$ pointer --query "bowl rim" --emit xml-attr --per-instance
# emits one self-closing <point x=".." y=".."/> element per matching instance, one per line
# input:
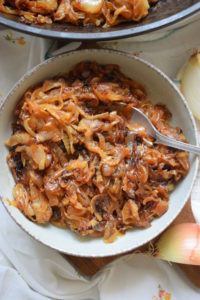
<point x="106" y="35"/>
<point x="166" y="78"/>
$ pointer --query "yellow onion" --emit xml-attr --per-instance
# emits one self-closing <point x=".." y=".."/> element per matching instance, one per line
<point x="190" y="83"/>
<point x="180" y="244"/>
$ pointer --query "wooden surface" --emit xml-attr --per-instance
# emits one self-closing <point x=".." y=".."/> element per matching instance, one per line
<point x="90" y="266"/>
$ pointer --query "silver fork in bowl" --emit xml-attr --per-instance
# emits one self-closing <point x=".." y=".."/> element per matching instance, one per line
<point x="140" y="118"/>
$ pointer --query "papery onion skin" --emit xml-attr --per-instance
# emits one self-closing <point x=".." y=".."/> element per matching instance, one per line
<point x="190" y="84"/>
<point x="180" y="244"/>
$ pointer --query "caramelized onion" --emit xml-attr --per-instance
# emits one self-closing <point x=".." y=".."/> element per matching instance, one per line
<point x="18" y="138"/>
<point x="106" y="170"/>
<point x="98" y="12"/>
<point x="130" y="213"/>
<point x="89" y="6"/>
<point x="39" y="156"/>
<point x="84" y="166"/>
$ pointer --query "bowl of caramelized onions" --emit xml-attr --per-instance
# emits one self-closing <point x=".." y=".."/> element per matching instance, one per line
<point x="72" y="178"/>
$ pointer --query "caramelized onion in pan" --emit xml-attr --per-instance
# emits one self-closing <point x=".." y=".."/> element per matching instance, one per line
<point x="98" y="12"/>
<point x="71" y="160"/>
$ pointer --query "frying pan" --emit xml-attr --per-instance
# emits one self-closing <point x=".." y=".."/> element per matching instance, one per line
<point x="165" y="13"/>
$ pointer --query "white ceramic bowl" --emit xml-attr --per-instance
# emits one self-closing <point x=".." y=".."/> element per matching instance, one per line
<point x="159" y="89"/>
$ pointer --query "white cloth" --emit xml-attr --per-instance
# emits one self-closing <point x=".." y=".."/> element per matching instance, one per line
<point x="30" y="270"/>
<point x="43" y="269"/>
<point x="139" y="277"/>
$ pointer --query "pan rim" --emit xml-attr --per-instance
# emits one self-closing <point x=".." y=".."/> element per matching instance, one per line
<point x="106" y="35"/>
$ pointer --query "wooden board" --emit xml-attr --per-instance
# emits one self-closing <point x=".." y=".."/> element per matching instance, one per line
<point x="90" y="266"/>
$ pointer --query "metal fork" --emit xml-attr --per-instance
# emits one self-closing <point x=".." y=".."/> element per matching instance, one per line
<point x="140" y="118"/>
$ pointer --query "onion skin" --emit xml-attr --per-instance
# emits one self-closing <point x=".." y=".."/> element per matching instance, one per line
<point x="180" y="244"/>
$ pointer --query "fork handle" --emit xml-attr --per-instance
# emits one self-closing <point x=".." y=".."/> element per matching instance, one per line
<point x="165" y="140"/>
